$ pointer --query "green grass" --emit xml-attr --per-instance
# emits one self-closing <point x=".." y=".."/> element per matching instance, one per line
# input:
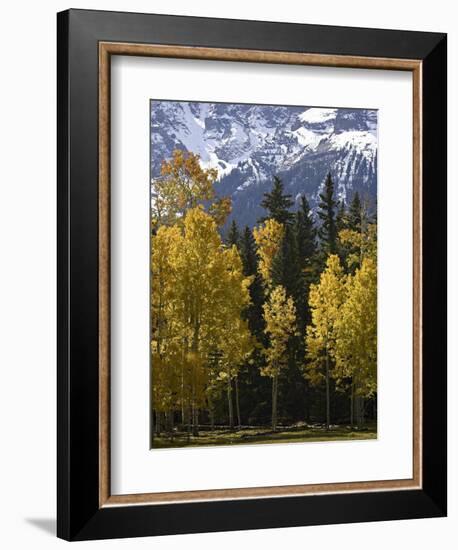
<point x="257" y="435"/>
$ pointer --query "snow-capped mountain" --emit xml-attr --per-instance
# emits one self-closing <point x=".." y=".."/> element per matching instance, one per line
<point x="249" y="144"/>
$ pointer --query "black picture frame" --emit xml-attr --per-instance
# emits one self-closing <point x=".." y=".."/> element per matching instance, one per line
<point x="79" y="515"/>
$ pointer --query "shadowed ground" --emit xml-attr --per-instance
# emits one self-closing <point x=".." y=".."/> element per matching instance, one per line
<point x="254" y="435"/>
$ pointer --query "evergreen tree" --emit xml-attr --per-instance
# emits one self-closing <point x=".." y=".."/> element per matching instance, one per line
<point x="305" y="235"/>
<point x="299" y="390"/>
<point x="355" y="213"/>
<point x="248" y="252"/>
<point x="306" y="248"/>
<point x="254" y="311"/>
<point x="233" y="236"/>
<point x="351" y="236"/>
<point x="341" y="217"/>
<point x="286" y="270"/>
<point x="341" y="225"/>
<point x="327" y="214"/>
<point x="277" y="204"/>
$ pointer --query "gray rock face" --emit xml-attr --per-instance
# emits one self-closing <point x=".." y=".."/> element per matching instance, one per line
<point x="249" y="144"/>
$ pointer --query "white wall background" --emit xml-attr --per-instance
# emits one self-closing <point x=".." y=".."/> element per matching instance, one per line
<point x="27" y="272"/>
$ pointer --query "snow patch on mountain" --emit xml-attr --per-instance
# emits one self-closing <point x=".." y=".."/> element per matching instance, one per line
<point x="315" y="114"/>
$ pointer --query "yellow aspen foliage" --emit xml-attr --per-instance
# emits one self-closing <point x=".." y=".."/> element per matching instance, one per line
<point x="325" y="301"/>
<point x="235" y="348"/>
<point x="182" y="185"/>
<point x="198" y="295"/>
<point x="280" y="319"/>
<point x="268" y="238"/>
<point x="220" y="209"/>
<point x="359" y="244"/>
<point x="164" y="344"/>
<point x="356" y="331"/>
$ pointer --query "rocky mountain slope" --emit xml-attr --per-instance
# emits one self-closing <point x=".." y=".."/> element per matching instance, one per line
<point x="249" y="144"/>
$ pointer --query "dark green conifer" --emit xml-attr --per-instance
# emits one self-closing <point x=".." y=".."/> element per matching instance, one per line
<point x="355" y="213"/>
<point x="278" y="204"/>
<point x="341" y="217"/>
<point x="233" y="236"/>
<point x="254" y="312"/>
<point x="327" y="215"/>
<point x="305" y="234"/>
<point x="286" y="270"/>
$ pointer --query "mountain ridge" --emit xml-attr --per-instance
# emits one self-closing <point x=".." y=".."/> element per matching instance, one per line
<point x="250" y="144"/>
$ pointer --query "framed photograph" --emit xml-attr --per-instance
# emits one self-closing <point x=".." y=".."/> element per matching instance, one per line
<point x="251" y="275"/>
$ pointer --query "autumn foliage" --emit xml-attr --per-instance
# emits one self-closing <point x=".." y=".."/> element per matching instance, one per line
<point x="274" y="305"/>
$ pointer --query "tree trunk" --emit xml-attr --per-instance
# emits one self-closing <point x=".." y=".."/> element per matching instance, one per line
<point x="274" y="402"/>
<point x="307" y="403"/>
<point x="188" y="423"/>
<point x="158" y="423"/>
<point x="195" y="421"/>
<point x="229" y="403"/>
<point x="352" y="390"/>
<point x="183" y="414"/>
<point x="328" y="406"/>
<point x="359" y="406"/>
<point x="211" y="413"/>
<point x="172" y="423"/>
<point x="237" y="403"/>
<point x="169" y="423"/>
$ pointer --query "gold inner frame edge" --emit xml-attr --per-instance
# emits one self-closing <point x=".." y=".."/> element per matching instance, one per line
<point x="106" y="50"/>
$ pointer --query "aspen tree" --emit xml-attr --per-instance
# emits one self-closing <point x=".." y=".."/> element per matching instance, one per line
<point x="325" y="301"/>
<point x="280" y="318"/>
<point x="268" y="238"/>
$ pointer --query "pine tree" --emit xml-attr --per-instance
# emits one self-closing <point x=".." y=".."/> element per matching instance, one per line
<point x="327" y="214"/>
<point x="253" y="312"/>
<point x="341" y="217"/>
<point x="248" y="252"/>
<point x="305" y="234"/>
<point x="233" y="236"/>
<point x="277" y="204"/>
<point x="355" y="213"/>
<point x="285" y="265"/>
<point x="306" y="247"/>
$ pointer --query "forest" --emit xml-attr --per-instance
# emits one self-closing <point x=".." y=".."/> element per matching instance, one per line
<point x="261" y="335"/>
